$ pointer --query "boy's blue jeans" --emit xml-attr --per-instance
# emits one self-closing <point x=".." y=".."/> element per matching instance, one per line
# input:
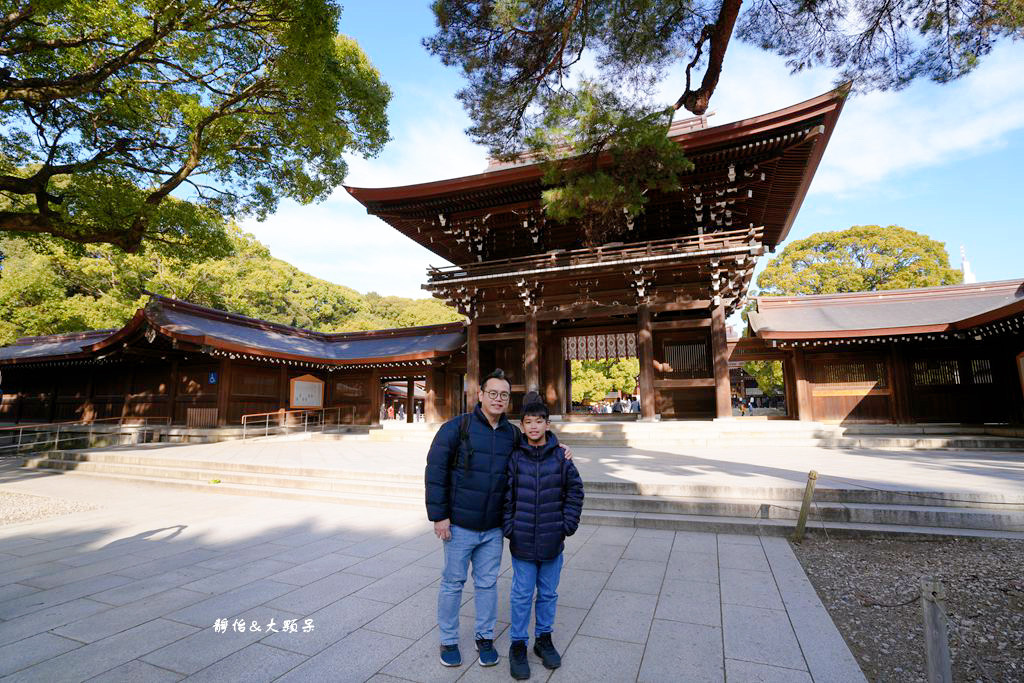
<point x="528" y="576"/>
<point x="483" y="548"/>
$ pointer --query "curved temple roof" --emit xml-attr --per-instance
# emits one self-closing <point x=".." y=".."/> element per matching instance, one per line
<point x="232" y="333"/>
<point x="888" y="312"/>
<point x="768" y="161"/>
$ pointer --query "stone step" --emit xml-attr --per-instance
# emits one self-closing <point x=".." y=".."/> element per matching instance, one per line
<point x="782" y="495"/>
<point x="290" y="493"/>
<point x="907" y="515"/>
<point x="128" y="458"/>
<point x="400" y="499"/>
<point x="368" y="487"/>
<point x="780" y="527"/>
<point x="363" y="488"/>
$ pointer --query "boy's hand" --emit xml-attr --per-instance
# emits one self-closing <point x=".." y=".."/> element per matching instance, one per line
<point x="568" y="451"/>
<point x="443" y="529"/>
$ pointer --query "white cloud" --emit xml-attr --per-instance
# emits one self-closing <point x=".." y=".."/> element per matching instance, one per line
<point x="884" y="134"/>
<point x="880" y="134"/>
<point x="339" y="242"/>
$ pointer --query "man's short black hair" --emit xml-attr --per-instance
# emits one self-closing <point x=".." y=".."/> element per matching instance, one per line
<point x="497" y="373"/>
<point x="536" y="409"/>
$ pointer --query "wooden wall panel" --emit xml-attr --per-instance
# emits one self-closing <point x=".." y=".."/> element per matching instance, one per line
<point x="850" y="387"/>
<point x="686" y="404"/>
<point x="967" y="385"/>
<point x="683" y="355"/>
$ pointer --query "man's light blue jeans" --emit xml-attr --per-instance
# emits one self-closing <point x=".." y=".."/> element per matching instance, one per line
<point x="527" y="577"/>
<point x="483" y="549"/>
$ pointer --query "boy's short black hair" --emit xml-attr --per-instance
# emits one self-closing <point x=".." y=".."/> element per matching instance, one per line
<point x="536" y="409"/>
<point x="496" y="373"/>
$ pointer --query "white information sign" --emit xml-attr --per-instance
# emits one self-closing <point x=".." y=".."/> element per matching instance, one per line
<point x="307" y="392"/>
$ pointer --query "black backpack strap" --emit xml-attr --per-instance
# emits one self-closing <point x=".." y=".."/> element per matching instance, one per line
<point x="464" y="438"/>
<point x="564" y="472"/>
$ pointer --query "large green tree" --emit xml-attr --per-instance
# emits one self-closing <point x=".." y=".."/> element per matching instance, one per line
<point x="49" y="285"/>
<point x="150" y="121"/>
<point x="522" y="59"/>
<point x="859" y="259"/>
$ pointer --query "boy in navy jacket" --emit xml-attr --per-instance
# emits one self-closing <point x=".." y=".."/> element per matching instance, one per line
<point x="543" y="503"/>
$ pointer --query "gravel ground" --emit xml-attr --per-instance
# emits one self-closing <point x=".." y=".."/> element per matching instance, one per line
<point x="20" y="507"/>
<point x="984" y="582"/>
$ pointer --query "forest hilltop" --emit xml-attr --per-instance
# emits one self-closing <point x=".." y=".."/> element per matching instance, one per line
<point x="48" y="285"/>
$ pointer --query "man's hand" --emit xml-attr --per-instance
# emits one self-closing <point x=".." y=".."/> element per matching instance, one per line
<point x="568" y="451"/>
<point x="443" y="529"/>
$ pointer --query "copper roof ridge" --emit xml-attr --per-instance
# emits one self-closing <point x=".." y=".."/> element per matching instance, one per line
<point x="63" y="336"/>
<point x="874" y="295"/>
<point x="438" y="328"/>
<point x="327" y="337"/>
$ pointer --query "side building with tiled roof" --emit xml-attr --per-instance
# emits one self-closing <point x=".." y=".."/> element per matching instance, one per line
<point x="179" y="361"/>
<point x="952" y="354"/>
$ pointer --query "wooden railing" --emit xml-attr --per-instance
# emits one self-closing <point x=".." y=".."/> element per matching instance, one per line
<point x="717" y="241"/>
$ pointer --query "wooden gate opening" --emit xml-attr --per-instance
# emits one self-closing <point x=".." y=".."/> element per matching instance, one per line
<point x="403" y="399"/>
<point x="602" y="374"/>
<point x="759" y="389"/>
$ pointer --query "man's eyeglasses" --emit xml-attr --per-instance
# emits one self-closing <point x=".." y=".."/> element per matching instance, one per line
<point x="495" y="395"/>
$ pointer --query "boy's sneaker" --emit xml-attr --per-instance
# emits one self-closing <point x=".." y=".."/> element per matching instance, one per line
<point x="450" y="655"/>
<point x="488" y="655"/>
<point x="545" y="649"/>
<point x="518" y="665"/>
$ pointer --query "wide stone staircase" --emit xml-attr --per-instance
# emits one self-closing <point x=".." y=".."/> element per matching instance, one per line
<point x="770" y="510"/>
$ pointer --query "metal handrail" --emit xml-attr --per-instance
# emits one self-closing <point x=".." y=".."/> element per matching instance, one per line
<point x="318" y="422"/>
<point x="119" y="420"/>
<point x="47" y="429"/>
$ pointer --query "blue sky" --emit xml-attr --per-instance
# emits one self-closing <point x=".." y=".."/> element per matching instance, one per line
<point x="942" y="160"/>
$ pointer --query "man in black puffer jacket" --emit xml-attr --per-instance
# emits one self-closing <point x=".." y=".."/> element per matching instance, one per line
<point x="465" y="488"/>
<point x="542" y="507"/>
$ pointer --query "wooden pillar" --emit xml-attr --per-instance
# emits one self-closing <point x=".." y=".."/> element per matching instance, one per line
<point x="172" y="392"/>
<point x="804" y="410"/>
<point x="565" y="384"/>
<point x="531" y="364"/>
<point x="375" y="397"/>
<point x="88" y="405"/>
<point x="472" y="364"/>
<point x="410" y="399"/>
<point x="223" y="391"/>
<point x="551" y="353"/>
<point x="19" y="401"/>
<point x="789" y="380"/>
<point x="282" y="388"/>
<point x="898" y="386"/>
<point x="430" y="412"/>
<point x="55" y="387"/>
<point x="645" y="351"/>
<point x="128" y="372"/>
<point x="720" y="356"/>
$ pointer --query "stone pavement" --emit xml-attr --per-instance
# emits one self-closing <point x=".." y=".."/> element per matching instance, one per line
<point x="132" y="591"/>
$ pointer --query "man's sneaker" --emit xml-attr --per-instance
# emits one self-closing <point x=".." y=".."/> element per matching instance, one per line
<point x="545" y="649"/>
<point x="518" y="665"/>
<point x="450" y="655"/>
<point x="488" y="655"/>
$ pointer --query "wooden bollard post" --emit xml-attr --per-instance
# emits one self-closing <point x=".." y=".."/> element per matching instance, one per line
<point x="801" y="521"/>
<point x="936" y="638"/>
